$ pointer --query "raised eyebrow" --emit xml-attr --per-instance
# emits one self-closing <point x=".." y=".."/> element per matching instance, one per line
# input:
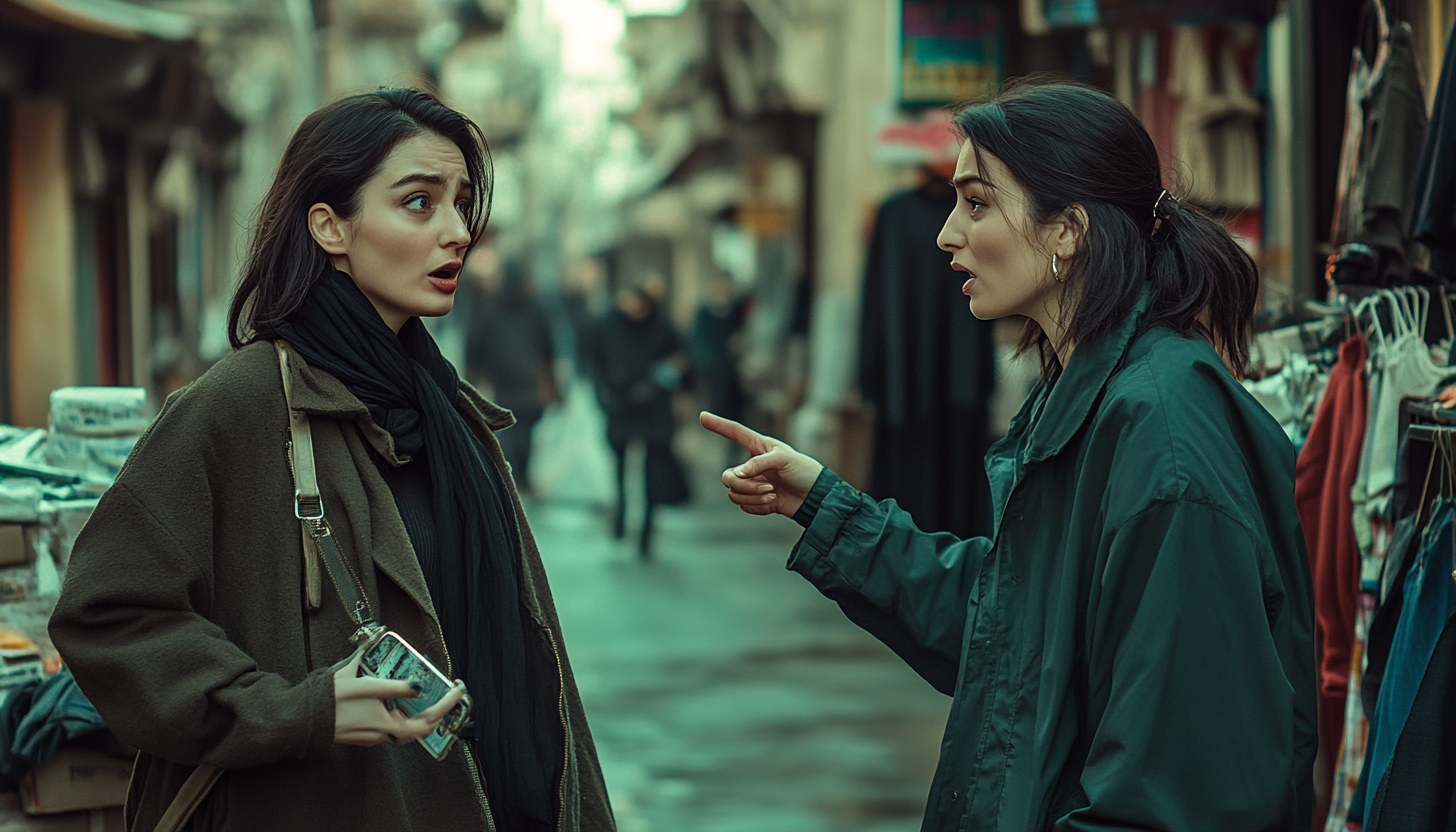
<point x="966" y="179"/>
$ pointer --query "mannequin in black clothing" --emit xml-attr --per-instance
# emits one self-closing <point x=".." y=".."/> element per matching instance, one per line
<point x="928" y="369"/>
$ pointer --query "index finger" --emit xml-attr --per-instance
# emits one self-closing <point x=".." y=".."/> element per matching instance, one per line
<point x="754" y="441"/>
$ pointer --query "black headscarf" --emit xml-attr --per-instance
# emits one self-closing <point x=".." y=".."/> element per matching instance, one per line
<point x="472" y="569"/>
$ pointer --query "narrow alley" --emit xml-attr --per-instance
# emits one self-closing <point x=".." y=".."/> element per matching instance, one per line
<point x="726" y="694"/>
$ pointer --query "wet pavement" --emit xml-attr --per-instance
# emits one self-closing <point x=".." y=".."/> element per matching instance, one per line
<point x="725" y="694"/>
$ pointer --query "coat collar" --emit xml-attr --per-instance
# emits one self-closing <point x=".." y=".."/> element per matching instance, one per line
<point x="1060" y="407"/>
<point x="319" y="393"/>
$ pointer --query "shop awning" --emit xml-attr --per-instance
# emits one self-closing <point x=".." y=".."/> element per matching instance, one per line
<point x="107" y="18"/>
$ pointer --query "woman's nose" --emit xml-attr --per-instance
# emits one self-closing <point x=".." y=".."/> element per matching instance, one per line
<point x="947" y="239"/>
<point x="457" y="233"/>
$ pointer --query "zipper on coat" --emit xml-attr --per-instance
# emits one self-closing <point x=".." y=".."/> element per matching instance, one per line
<point x="465" y="745"/>
<point x="479" y="787"/>
<point x="565" y="730"/>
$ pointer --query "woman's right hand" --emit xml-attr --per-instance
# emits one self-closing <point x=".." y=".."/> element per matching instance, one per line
<point x="360" y="717"/>
<point x="775" y="480"/>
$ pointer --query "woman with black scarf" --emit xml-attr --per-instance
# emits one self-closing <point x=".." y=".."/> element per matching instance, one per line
<point x="377" y="201"/>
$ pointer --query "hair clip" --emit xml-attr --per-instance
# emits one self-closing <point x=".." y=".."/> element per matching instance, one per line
<point x="1158" y="210"/>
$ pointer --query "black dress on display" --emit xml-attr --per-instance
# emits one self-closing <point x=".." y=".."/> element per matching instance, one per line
<point x="928" y="367"/>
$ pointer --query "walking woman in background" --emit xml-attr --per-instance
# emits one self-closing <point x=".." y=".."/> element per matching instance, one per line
<point x="189" y="615"/>
<point x="1132" y="648"/>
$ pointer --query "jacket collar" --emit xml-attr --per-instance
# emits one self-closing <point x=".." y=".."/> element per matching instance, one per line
<point x="1065" y="403"/>
<point x="319" y="393"/>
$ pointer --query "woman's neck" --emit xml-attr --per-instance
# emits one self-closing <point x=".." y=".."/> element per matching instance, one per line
<point x="1050" y="318"/>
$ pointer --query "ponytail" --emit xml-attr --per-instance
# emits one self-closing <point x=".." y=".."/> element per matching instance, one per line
<point x="1201" y="280"/>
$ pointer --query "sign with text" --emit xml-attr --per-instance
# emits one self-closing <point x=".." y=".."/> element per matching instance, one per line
<point x="949" y="50"/>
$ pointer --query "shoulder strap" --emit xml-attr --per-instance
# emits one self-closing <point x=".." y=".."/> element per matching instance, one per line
<point x="307" y="504"/>
<point x="308" y="507"/>
<point x="189" y="797"/>
<point x="301" y="445"/>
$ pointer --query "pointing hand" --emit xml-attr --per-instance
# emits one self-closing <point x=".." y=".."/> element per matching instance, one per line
<point x="775" y="480"/>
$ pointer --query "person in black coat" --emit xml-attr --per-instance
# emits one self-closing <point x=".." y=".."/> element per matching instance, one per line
<point x="638" y="364"/>
<point x="509" y="350"/>
<point x="713" y="348"/>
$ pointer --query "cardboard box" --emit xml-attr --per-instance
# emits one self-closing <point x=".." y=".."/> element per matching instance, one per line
<point x="86" y="820"/>
<point x="17" y="543"/>
<point x="17" y="583"/>
<point x="20" y="666"/>
<point x="75" y="778"/>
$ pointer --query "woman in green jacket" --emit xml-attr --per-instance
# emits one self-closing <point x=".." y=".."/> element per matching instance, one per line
<point x="201" y="625"/>
<point x="1132" y="648"/>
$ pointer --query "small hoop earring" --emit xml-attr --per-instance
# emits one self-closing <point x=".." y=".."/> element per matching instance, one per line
<point x="1055" y="274"/>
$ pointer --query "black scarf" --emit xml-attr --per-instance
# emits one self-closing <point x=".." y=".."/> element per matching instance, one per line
<point x="472" y="569"/>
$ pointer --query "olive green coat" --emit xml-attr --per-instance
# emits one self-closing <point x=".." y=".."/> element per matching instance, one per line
<point x="1133" y="648"/>
<point x="183" y="617"/>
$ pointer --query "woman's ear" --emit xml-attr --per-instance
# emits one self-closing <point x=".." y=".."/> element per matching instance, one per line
<point x="328" y="229"/>
<point x="1068" y="231"/>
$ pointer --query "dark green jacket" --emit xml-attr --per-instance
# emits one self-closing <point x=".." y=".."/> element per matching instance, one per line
<point x="184" y="619"/>
<point x="1133" y="648"/>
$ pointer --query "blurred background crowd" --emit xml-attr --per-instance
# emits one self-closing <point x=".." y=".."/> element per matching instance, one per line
<point x="721" y="204"/>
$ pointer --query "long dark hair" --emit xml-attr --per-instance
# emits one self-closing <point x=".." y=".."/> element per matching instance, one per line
<point x="1068" y="144"/>
<point x="333" y="153"/>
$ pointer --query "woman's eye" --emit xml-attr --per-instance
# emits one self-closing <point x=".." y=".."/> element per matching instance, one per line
<point x="417" y="202"/>
<point x="975" y="205"/>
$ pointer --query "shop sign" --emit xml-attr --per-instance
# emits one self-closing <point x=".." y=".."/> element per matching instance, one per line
<point x="949" y="50"/>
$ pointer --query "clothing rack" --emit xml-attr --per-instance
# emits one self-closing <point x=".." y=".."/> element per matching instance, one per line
<point x="1431" y="433"/>
<point x="1437" y="326"/>
<point x="1428" y="445"/>
<point x="1425" y="422"/>
<point x="1424" y="426"/>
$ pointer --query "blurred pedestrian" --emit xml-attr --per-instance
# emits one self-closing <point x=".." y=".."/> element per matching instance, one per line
<point x="639" y="364"/>
<point x="585" y="298"/>
<point x="201" y="625"/>
<point x="713" y="346"/>
<point x="1133" y="647"/>
<point x="509" y="353"/>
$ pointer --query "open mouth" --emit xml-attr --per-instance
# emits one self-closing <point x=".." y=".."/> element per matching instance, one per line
<point x="443" y="279"/>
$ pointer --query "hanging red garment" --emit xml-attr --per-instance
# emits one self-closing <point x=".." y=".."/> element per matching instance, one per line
<point x="1323" y="477"/>
<point x="1157" y="107"/>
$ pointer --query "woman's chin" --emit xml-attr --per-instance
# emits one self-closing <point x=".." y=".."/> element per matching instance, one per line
<point x="437" y="308"/>
<point x="984" y="311"/>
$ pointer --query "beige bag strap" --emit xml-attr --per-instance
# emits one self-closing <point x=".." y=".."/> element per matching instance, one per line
<point x="307" y="502"/>
<point x="308" y="506"/>
<point x="188" y="798"/>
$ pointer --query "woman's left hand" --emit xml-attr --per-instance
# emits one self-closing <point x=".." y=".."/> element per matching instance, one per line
<point x="360" y="717"/>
